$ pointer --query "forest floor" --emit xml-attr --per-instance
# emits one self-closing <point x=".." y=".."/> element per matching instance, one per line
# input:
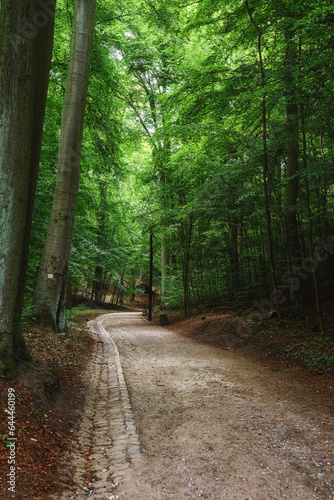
<point x="219" y="410"/>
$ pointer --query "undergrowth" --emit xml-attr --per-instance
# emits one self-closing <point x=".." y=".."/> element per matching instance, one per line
<point x="314" y="353"/>
<point x="314" y="356"/>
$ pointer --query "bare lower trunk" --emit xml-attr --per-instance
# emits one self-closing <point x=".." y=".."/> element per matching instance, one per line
<point x="26" y="36"/>
<point x="98" y="279"/>
<point x="186" y="237"/>
<point x="313" y="262"/>
<point x="50" y="292"/>
<point x="164" y="269"/>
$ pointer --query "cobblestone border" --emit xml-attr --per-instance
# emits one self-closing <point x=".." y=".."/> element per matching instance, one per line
<point x="107" y="442"/>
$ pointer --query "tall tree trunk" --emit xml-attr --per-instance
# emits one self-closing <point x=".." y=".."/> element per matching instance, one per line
<point x="292" y="159"/>
<point x="26" y="37"/>
<point x="265" y="164"/>
<point x="52" y="277"/>
<point x="312" y="260"/>
<point x="165" y="242"/>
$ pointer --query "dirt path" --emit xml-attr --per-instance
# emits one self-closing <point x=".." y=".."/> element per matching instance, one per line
<point x="211" y="424"/>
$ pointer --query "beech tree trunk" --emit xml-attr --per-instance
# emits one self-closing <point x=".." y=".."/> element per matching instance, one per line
<point x="312" y="261"/>
<point x="50" y="291"/>
<point x="292" y="160"/>
<point x="26" y="37"/>
<point x="265" y="169"/>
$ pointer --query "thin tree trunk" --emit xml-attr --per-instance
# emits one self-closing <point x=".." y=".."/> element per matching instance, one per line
<point x="101" y="217"/>
<point x="187" y="234"/>
<point x="292" y="161"/>
<point x="164" y="268"/>
<point x="165" y="242"/>
<point x="26" y="37"/>
<point x="150" y="295"/>
<point x="310" y="231"/>
<point x="122" y="289"/>
<point x="52" y="277"/>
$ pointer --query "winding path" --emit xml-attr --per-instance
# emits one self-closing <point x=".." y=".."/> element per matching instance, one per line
<point x="202" y="423"/>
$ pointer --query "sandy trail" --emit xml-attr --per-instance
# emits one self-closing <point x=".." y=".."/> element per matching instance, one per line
<point x="211" y="424"/>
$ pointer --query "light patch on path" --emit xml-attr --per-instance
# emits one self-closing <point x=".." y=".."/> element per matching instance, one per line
<point x="211" y="424"/>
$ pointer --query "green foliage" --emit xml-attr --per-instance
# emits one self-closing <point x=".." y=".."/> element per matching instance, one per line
<point x="174" y="144"/>
<point x="29" y="310"/>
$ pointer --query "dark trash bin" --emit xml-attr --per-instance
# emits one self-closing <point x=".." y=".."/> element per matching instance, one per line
<point x="163" y="319"/>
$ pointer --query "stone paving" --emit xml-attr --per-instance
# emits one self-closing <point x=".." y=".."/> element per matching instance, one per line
<point x="213" y="424"/>
<point x="107" y="446"/>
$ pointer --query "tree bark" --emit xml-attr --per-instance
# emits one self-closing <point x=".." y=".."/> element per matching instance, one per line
<point x="292" y="159"/>
<point x="26" y="38"/>
<point x="313" y="263"/>
<point x="164" y="268"/>
<point x="52" y="277"/>
<point x="265" y="169"/>
<point x="150" y="294"/>
<point x="98" y="282"/>
<point x="186" y="231"/>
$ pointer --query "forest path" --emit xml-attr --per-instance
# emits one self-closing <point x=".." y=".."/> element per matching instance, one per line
<point x="211" y="424"/>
